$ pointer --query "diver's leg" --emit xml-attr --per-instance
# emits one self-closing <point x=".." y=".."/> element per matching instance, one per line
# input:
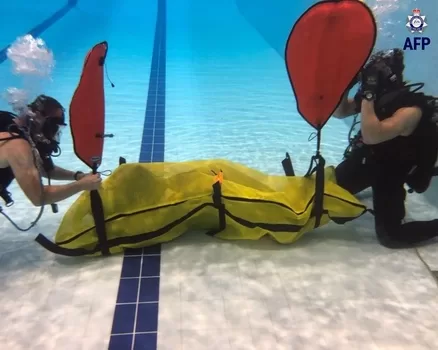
<point x="389" y="210"/>
<point x="353" y="175"/>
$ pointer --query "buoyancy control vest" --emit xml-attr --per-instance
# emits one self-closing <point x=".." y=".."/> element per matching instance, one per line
<point x="420" y="149"/>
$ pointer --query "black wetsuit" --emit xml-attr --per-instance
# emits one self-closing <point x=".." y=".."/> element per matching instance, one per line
<point x="387" y="166"/>
<point x="6" y="174"/>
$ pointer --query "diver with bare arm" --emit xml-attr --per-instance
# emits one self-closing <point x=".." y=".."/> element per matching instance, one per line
<point x="397" y="145"/>
<point x="27" y="143"/>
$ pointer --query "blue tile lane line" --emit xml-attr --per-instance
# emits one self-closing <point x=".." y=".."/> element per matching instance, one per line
<point x="43" y="26"/>
<point x="135" y="321"/>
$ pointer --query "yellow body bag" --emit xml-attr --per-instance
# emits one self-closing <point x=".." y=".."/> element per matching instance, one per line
<point x="150" y="203"/>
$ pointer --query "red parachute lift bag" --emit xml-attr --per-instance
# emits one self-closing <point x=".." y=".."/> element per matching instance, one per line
<point x="87" y="108"/>
<point x="326" y="49"/>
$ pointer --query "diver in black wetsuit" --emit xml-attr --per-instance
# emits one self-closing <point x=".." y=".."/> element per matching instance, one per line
<point x="27" y="143"/>
<point x="397" y="145"/>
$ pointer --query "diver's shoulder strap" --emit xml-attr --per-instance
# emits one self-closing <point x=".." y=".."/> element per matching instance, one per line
<point x="13" y="137"/>
<point x="6" y="119"/>
<point x="7" y="114"/>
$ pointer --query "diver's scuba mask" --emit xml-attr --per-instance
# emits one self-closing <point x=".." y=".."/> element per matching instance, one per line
<point x="45" y="123"/>
<point x="391" y="86"/>
<point x="388" y="79"/>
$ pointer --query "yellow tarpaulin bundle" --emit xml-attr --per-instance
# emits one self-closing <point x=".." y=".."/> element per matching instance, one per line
<point x="150" y="203"/>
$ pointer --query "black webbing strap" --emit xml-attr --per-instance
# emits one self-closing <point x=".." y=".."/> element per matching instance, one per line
<point x="217" y="203"/>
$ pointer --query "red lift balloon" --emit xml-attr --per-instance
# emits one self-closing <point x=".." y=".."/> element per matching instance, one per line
<point x="87" y="108"/>
<point x="326" y="49"/>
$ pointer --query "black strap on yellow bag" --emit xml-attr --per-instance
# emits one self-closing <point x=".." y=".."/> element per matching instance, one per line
<point x="318" y="169"/>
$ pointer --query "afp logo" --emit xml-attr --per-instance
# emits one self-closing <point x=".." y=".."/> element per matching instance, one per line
<point x="416" y="24"/>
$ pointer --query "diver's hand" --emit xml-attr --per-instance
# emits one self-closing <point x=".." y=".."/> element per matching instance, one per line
<point x="80" y="175"/>
<point x="90" y="182"/>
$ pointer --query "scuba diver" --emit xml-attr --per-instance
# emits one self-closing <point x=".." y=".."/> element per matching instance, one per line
<point x="27" y="144"/>
<point x="397" y="144"/>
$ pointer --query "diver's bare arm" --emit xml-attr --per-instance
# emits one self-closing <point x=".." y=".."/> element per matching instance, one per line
<point x="21" y="160"/>
<point x="345" y="108"/>
<point x="401" y="123"/>
<point x="59" y="173"/>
